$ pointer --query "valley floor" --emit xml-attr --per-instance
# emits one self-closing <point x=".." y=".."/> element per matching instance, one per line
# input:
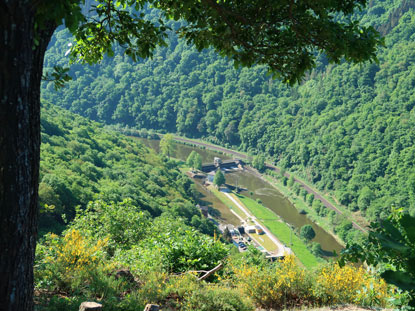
<point x="325" y="201"/>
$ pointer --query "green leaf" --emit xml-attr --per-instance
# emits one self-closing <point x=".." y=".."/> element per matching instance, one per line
<point x="408" y="224"/>
<point x="401" y="279"/>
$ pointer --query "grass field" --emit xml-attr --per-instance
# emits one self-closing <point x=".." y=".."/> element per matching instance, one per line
<point x="265" y="241"/>
<point x="260" y="211"/>
<point x="281" y="230"/>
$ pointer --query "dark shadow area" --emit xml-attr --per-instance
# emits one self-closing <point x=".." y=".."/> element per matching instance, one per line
<point x="233" y="188"/>
<point x="325" y="253"/>
<point x="212" y="211"/>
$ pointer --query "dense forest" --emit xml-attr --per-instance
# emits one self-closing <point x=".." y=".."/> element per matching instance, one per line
<point x="82" y="162"/>
<point x="346" y="128"/>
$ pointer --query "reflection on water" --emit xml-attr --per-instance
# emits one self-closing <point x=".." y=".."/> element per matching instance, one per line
<point x="256" y="188"/>
<point x="182" y="151"/>
<point x="268" y="192"/>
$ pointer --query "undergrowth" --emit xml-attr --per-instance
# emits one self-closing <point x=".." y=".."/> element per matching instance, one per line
<point x="71" y="269"/>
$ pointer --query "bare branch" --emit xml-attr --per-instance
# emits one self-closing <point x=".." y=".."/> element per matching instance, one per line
<point x="207" y="274"/>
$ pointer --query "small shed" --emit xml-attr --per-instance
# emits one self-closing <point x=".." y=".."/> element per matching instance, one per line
<point x="259" y="230"/>
<point x="217" y="161"/>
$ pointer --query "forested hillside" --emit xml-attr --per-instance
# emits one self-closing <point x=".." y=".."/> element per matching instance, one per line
<point x="81" y="162"/>
<point x="140" y="239"/>
<point x="347" y="128"/>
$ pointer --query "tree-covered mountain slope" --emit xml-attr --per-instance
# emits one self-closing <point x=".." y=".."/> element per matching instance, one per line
<point x="81" y="161"/>
<point x="346" y="128"/>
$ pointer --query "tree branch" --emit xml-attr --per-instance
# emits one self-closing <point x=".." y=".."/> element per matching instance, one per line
<point x="207" y="274"/>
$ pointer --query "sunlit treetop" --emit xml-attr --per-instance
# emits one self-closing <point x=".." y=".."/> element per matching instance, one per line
<point x="284" y="35"/>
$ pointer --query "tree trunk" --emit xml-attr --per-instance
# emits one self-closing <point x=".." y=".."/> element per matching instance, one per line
<point x="20" y="74"/>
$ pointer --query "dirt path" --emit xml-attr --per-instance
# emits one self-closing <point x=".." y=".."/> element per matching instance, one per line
<point x="324" y="201"/>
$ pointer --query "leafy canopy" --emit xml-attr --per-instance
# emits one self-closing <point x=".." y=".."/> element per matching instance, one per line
<point x="391" y="246"/>
<point x="167" y="145"/>
<point x="219" y="178"/>
<point x="307" y="232"/>
<point x="259" y="162"/>
<point x="194" y="160"/>
<point x="284" y="35"/>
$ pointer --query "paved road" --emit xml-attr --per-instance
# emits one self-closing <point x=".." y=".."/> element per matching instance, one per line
<point x="324" y="201"/>
<point x="282" y="250"/>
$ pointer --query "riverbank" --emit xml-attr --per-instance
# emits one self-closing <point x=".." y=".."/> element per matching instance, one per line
<point x="278" y="231"/>
<point x="259" y="188"/>
<point x="301" y="206"/>
<point x="327" y="202"/>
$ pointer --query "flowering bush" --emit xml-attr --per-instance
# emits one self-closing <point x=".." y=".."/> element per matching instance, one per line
<point x="348" y="284"/>
<point x="287" y="284"/>
<point x="60" y="260"/>
<point x="276" y="286"/>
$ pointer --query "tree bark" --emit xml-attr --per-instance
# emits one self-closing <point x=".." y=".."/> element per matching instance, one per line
<point x="21" y="63"/>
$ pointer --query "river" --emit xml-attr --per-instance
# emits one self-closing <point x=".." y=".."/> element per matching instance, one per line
<point x="259" y="188"/>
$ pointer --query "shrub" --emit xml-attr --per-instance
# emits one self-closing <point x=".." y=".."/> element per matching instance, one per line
<point x="310" y="198"/>
<point x="291" y="181"/>
<point x="297" y="189"/>
<point x="390" y="246"/>
<point x="303" y="193"/>
<point x="259" y="163"/>
<point x="278" y="286"/>
<point x="316" y="248"/>
<point x="335" y="285"/>
<point x="164" y="289"/>
<point x="285" y="284"/>
<point x="62" y="260"/>
<point x="122" y="223"/>
<point x="307" y="232"/>
<point x="219" y="299"/>
<point x="173" y="247"/>
<point x="316" y="205"/>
